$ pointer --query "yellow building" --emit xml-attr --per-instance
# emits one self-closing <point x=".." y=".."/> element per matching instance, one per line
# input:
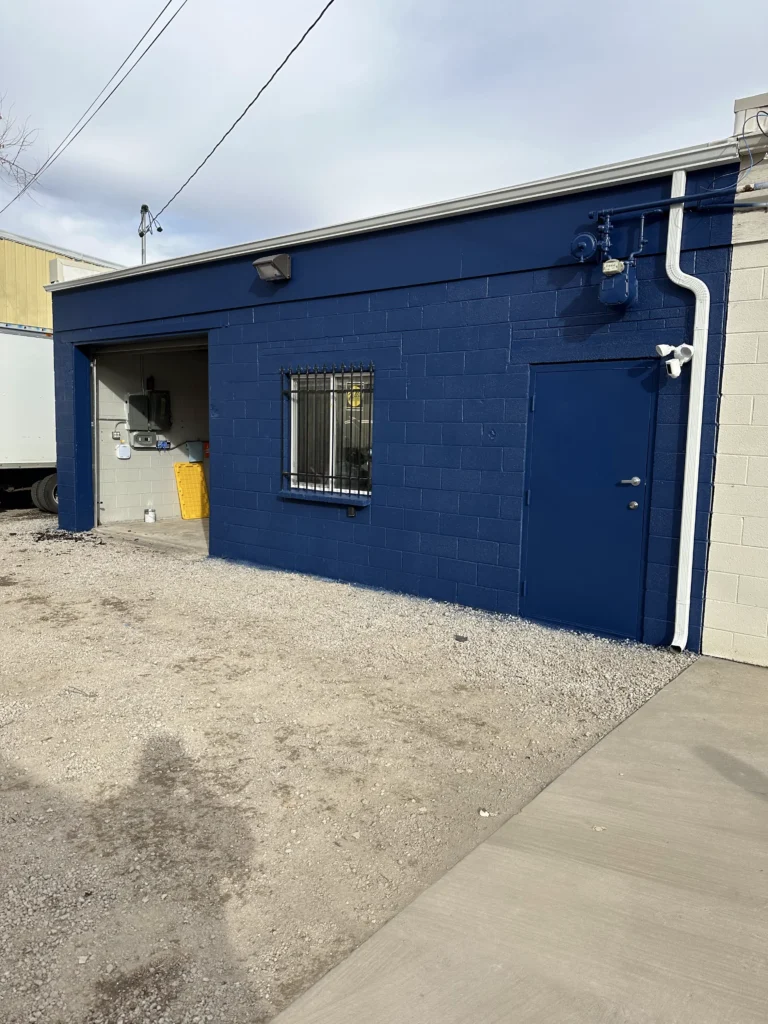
<point x="25" y="267"/>
<point x="27" y="427"/>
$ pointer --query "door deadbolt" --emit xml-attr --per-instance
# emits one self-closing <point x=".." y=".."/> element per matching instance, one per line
<point x="634" y="481"/>
<point x="633" y="505"/>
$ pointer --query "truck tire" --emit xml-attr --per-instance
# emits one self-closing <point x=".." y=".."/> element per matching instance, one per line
<point x="45" y="494"/>
<point x="34" y="495"/>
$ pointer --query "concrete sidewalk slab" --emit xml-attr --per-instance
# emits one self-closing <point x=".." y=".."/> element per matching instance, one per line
<point x="184" y="535"/>
<point x="633" y="890"/>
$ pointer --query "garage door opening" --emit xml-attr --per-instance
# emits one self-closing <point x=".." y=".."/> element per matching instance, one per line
<point x="152" y="467"/>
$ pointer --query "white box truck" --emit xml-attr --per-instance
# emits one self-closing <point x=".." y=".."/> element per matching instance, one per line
<point x="27" y="407"/>
<point x="27" y="425"/>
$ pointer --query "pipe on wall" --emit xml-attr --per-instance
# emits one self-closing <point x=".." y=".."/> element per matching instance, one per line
<point x="695" y="412"/>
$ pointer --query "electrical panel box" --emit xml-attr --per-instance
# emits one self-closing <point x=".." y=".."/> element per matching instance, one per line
<point x="195" y="451"/>
<point x="150" y="410"/>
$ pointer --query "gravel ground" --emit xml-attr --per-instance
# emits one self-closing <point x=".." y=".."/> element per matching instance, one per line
<point x="218" y="780"/>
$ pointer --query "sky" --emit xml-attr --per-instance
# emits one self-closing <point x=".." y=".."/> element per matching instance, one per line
<point x="388" y="104"/>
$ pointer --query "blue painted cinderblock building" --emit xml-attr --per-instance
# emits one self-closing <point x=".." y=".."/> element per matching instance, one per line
<point x="437" y="403"/>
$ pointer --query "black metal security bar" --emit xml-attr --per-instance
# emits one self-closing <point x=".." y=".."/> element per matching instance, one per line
<point x="326" y="428"/>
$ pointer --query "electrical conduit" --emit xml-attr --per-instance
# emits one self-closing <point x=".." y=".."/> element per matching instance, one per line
<point x="695" y="412"/>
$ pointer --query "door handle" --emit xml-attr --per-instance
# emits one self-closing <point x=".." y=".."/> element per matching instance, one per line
<point x="634" y="481"/>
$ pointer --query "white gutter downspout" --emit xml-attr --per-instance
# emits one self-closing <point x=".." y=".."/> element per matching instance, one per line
<point x="695" y="413"/>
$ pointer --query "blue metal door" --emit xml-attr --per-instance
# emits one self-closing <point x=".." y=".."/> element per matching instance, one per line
<point x="587" y="494"/>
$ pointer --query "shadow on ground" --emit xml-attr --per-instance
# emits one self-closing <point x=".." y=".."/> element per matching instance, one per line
<point x="116" y="911"/>
<point x="739" y="772"/>
<point x="16" y="500"/>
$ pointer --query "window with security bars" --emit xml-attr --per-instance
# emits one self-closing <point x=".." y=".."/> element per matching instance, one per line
<point x="327" y="419"/>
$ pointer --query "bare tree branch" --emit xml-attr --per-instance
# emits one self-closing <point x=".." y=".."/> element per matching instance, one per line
<point x="16" y="137"/>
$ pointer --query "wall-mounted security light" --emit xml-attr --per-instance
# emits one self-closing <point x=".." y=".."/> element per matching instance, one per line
<point x="681" y="354"/>
<point x="274" y="268"/>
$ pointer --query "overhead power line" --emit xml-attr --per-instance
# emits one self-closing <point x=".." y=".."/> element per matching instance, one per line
<point x="237" y="121"/>
<point x="81" y="122"/>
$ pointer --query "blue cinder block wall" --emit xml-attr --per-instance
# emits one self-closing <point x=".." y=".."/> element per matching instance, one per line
<point x="452" y="314"/>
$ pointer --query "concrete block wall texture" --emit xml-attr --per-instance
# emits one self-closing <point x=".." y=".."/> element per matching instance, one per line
<point x="451" y="413"/>
<point x="736" y="609"/>
<point x="127" y="487"/>
<point x="452" y="314"/>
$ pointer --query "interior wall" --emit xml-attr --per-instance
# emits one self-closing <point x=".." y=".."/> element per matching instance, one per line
<point x="127" y="487"/>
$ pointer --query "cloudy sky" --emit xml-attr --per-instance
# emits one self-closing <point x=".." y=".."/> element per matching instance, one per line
<point x="389" y="104"/>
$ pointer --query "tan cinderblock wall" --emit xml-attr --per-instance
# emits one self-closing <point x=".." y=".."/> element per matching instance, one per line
<point x="736" y="603"/>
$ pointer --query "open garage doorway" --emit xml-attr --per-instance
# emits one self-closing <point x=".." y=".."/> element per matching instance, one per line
<point x="151" y="442"/>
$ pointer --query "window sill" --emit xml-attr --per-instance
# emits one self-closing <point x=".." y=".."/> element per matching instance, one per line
<point x="325" y="497"/>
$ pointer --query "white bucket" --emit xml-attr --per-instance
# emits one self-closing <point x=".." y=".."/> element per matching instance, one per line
<point x="150" y="516"/>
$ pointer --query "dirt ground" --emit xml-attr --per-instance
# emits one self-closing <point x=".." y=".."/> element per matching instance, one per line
<point x="218" y="780"/>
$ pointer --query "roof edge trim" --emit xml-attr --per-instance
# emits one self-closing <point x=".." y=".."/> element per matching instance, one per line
<point x="71" y="254"/>
<point x="690" y="159"/>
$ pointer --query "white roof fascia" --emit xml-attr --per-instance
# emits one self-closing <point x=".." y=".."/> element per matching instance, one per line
<point x="690" y="159"/>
